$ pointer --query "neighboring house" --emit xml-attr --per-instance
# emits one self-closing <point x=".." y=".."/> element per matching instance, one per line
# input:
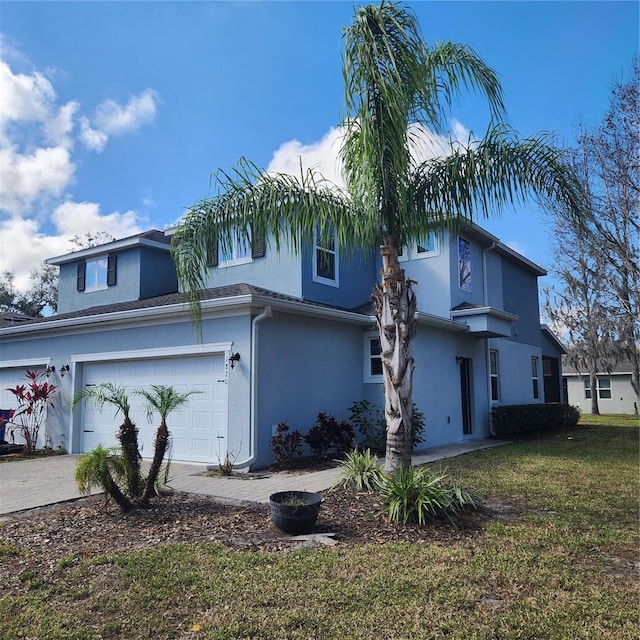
<point x="282" y="338"/>
<point x="615" y="393"/>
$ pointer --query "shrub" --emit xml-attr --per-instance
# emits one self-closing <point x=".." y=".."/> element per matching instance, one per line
<point x="106" y="469"/>
<point x="369" y="420"/>
<point x="286" y="446"/>
<point x="31" y="414"/>
<point x="361" y="470"/>
<point x="417" y="495"/>
<point x="521" y="419"/>
<point x="329" y="436"/>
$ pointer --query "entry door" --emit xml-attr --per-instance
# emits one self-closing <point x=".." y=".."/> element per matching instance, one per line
<point x="465" y="395"/>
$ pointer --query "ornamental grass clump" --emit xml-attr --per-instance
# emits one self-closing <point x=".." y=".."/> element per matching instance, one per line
<point x="416" y="495"/>
<point x="360" y="469"/>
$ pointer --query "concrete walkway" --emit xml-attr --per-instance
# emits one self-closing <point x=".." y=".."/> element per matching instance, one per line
<point x="26" y="484"/>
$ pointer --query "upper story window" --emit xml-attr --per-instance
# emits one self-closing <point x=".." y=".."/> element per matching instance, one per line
<point x="325" y="259"/>
<point x="372" y="358"/>
<point x="426" y="248"/>
<point x="534" y="378"/>
<point x="96" y="274"/>
<point x="494" y="374"/>
<point x="603" y="386"/>
<point x="238" y="252"/>
<point x="242" y="249"/>
<point x="464" y="264"/>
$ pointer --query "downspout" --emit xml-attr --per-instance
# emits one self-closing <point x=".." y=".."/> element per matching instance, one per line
<point x="485" y="286"/>
<point x="253" y="429"/>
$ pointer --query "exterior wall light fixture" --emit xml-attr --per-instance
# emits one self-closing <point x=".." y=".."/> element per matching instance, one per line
<point x="64" y="369"/>
<point x="49" y="370"/>
<point x="234" y="358"/>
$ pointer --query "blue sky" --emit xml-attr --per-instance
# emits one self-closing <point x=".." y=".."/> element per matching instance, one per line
<point x="113" y="115"/>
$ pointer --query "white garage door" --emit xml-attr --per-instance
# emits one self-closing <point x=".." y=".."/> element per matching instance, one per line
<point x="198" y="428"/>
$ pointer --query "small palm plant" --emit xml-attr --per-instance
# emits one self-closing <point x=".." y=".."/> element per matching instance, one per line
<point x="105" y="468"/>
<point x="112" y="469"/>
<point x="163" y="400"/>
<point x="115" y="395"/>
<point x="417" y="495"/>
<point x="361" y="470"/>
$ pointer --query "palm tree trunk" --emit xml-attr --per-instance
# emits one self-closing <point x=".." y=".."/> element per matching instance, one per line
<point x="394" y="305"/>
<point x="162" y="441"/>
<point x="128" y="436"/>
<point x="114" y="491"/>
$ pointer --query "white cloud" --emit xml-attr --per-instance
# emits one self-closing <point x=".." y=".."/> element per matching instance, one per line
<point x="114" y="119"/>
<point x="34" y="247"/>
<point x="24" y="97"/>
<point x="58" y="129"/>
<point x="38" y="167"/>
<point x="78" y="218"/>
<point x="93" y="139"/>
<point x="323" y="155"/>
<point x="518" y="247"/>
<point x="26" y="178"/>
<point x="70" y="219"/>
<point x="460" y="132"/>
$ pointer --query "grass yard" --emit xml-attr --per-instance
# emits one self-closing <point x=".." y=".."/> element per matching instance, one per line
<point x="557" y="560"/>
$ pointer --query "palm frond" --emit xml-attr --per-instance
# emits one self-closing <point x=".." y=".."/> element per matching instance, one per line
<point x="164" y="399"/>
<point x="480" y="179"/>
<point x="451" y="67"/>
<point x="392" y="79"/>
<point x="283" y="208"/>
<point x="105" y="393"/>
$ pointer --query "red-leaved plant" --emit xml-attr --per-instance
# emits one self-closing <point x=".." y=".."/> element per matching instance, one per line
<point x="31" y="414"/>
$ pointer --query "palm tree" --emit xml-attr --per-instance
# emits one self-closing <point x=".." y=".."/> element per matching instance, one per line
<point x="395" y="88"/>
<point x="163" y="400"/>
<point x="103" y="467"/>
<point x="109" y="393"/>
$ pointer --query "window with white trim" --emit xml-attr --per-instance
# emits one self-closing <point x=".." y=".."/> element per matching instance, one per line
<point x="425" y="248"/>
<point x="237" y="252"/>
<point x="464" y="264"/>
<point x="534" y="378"/>
<point x="494" y="375"/>
<point x="325" y="259"/>
<point x="428" y="247"/>
<point x="372" y="358"/>
<point x="243" y="248"/>
<point x="603" y="387"/>
<point x="97" y="273"/>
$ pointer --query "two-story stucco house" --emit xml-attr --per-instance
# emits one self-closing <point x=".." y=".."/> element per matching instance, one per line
<point x="282" y="338"/>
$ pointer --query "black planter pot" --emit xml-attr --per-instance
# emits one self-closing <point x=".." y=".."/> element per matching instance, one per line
<point x="295" y="512"/>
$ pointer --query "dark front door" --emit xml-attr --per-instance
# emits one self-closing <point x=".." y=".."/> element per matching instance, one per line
<point x="465" y="394"/>
<point x="551" y="372"/>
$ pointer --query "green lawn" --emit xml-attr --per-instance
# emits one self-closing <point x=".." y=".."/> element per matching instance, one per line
<point x="565" y="568"/>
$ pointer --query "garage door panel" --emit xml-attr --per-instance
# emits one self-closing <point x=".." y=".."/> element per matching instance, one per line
<point x="197" y="428"/>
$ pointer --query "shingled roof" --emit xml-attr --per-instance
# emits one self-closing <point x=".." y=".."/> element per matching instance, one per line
<point x="217" y="293"/>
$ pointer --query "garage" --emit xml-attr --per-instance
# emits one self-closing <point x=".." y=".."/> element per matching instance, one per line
<point x="198" y="428"/>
